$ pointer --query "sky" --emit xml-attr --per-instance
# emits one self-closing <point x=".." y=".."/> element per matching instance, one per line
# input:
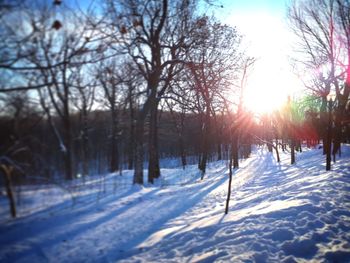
<point x="267" y="37"/>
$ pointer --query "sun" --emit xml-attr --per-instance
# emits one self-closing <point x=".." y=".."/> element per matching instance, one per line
<point x="268" y="88"/>
<point x="263" y="97"/>
<point x="263" y="102"/>
<point x="267" y="38"/>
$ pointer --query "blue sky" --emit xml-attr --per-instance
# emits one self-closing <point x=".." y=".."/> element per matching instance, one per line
<point x="259" y="4"/>
<point x="275" y="7"/>
<point x="272" y="5"/>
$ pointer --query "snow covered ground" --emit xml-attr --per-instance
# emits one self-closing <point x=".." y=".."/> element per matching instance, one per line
<point x="278" y="213"/>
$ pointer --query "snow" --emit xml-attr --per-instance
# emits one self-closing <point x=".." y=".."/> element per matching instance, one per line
<point x="278" y="213"/>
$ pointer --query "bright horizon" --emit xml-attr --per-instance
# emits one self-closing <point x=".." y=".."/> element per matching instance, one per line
<point x="266" y="36"/>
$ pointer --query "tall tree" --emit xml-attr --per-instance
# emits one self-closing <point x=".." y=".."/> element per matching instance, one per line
<point x="323" y="29"/>
<point x="50" y="55"/>
<point x="153" y="34"/>
<point x="212" y="67"/>
<point x="83" y="98"/>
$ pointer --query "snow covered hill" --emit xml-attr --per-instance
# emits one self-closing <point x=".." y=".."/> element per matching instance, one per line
<point x="278" y="213"/>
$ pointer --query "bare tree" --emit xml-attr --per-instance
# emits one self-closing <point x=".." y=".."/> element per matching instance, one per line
<point x="153" y="34"/>
<point x="56" y="56"/>
<point x="212" y="66"/>
<point x="111" y="81"/>
<point x="83" y="98"/>
<point x="323" y="29"/>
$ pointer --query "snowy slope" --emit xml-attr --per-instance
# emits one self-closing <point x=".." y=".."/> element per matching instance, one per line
<point x="278" y="213"/>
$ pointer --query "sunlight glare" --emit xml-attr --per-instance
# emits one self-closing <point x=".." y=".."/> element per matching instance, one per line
<point x="267" y="90"/>
<point x="271" y="80"/>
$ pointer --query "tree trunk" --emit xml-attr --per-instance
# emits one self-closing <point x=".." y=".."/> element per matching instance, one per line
<point x="68" y="160"/>
<point x="329" y="140"/>
<point x="337" y="134"/>
<point x="182" y="152"/>
<point x="85" y="143"/>
<point x="139" y="131"/>
<point x="114" y="164"/>
<point x="283" y="145"/>
<point x="299" y="146"/>
<point x="269" y="144"/>
<point x="235" y="154"/>
<point x="131" y="142"/>
<point x="292" y="151"/>
<point x="219" y="150"/>
<point x="7" y="173"/>
<point x="153" y="164"/>
<point x="204" y="158"/>
<point x="328" y="154"/>
<point x="323" y="119"/>
<point x="131" y="145"/>
<point x="205" y="149"/>
<point x="199" y="160"/>
<point x="229" y="184"/>
<point x="246" y="146"/>
<point x="277" y="153"/>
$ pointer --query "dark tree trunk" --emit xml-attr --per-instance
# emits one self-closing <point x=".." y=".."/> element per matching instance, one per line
<point x="299" y="146"/>
<point x="7" y="171"/>
<point x="235" y="154"/>
<point x="114" y="161"/>
<point x="269" y="145"/>
<point x="246" y="146"/>
<point x="114" y="165"/>
<point x="85" y="143"/>
<point x="205" y="147"/>
<point x="139" y="137"/>
<point x="181" y="140"/>
<point x="324" y="123"/>
<point x="204" y="157"/>
<point x="292" y="151"/>
<point x="277" y="153"/>
<point x="199" y="160"/>
<point x="139" y="131"/>
<point x="182" y="152"/>
<point x="153" y="164"/>
<point x="218" y="137"/>
<point x="68" y="160"/>
<point x="337" y="134"/>
<point x="229" y="184"/>
<point x="328" y="146"/>
<point x="219" y="150"/>
<point x="328" y="155"/>
<point x="131" y="141"/>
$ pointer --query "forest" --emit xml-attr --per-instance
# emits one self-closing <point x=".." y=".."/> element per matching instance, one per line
<point x="121" y="87"/>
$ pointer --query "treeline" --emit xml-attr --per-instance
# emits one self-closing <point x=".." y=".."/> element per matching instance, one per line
<point x="42" y="155"/>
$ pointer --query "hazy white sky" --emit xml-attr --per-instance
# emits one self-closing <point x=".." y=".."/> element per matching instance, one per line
<point x="267" y="37"/>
